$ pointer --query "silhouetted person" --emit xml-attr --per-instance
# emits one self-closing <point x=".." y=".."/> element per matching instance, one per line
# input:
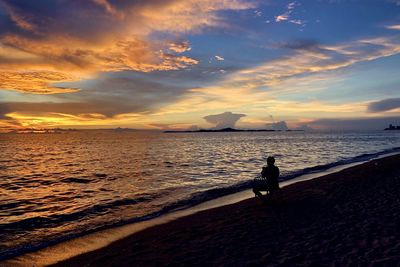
<point x="270" y="173"/>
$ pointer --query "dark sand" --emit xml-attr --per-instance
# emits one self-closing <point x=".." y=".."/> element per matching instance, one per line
<point x="350" y="218"/>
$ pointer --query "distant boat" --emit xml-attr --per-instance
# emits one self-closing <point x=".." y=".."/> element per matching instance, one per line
<point x="392" y="128"/>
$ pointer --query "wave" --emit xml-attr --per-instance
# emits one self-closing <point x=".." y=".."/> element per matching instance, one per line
<point x="192" y="200"/>
<point x="52" y="220"/>
<point x="200" y="197"/>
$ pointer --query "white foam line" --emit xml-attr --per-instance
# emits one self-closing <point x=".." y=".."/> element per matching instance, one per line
<point x="103" y="238"/>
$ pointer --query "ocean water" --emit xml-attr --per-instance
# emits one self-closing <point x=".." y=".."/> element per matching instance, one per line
<point x="54" y="187"/>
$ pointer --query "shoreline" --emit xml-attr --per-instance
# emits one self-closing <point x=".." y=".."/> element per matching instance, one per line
<point x="101" y="239"/>
<point x="348" y="218"/>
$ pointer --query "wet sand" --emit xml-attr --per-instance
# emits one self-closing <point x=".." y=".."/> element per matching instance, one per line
<point x="347" y="218"/>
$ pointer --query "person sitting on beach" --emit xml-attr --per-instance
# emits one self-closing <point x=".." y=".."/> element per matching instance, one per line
<point x="270" y="173"/>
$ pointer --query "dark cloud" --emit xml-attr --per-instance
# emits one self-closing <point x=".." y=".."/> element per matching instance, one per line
<point x="384" y="105"/>
<point x="224" y="120"/>
<point x="313" y="46"/>
<point x="355" y="124"/>
<point x="304" y="127"/>
<point x="4" y="109"/>
<point x="302" y="44"/>
<point x="123" y="95"/>
<point x="107" y="96"/>
<point x="91" y="19"/>
<point x="111" y="94"/>
<point x="74" y="108"/>
<point x="196" y="76"/>
<point x="116" y="93"/>
<point x="194" y="128"/>
<point x="58" y="16"/>
<point x="278" y="126"/>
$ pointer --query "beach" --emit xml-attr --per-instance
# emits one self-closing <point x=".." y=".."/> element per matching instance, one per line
<point x="347" y="218"/>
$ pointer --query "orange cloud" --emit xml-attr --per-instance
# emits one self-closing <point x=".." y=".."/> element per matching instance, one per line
<point x="40" y="120"/>
<point x="113" y="38"/>
<point x="189" y="15"/>
<point x="43" y="119"/>
<point x="282" y="17"/>
<point x="37" y="64"/>
<point x="180" y="47"/>
<point x="35" y="82"/>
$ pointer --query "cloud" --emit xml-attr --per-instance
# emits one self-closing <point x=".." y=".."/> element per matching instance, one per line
<point x="111" y="98"/>
<point x="313" y="58"/>
<point x="116" y="97"/>
<point x="4" y="109"/>
<point x="74" y="108"/>
<point x="355" y="124"/>
<point x="175" y="127"/>
<point x="393" y="27"/>
<point x="20" y="20"/>
<point x="37" y="120"/>
<point x="109" y="8"/>
<point x="38" y="82"/>
<point x="224" y="120"/>
<point x="286" y="15"/>
<point x="189" y="15"/>
<point x="271" y="86"/>
<point x="396" y="2"/>
<point x="304" y="127"/>
<point x="282" y="17"/>
<point x="297" y="21"/>
<point x="384" y="105"/>
<point x="292" y="5"/>
<point x="278" y="126"/>
<point x="180" y="47"/>
<point x="73" y="62"/>
<point x="219" y="58"/>
<point x="258" y="13"/>
<point x="79" y="39"/>
<point x="97" y="17"/>
<point x="303" y="44"/>
<point x="193" y="128"/>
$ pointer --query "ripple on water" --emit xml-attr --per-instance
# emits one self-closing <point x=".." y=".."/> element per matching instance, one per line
<point x="76" y="180"/>
<point x="100" y="175"/>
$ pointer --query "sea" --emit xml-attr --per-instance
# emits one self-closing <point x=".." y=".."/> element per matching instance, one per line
<point x="57" y="186"/>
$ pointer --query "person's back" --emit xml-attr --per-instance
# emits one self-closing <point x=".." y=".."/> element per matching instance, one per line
<point x="271" y="174"/>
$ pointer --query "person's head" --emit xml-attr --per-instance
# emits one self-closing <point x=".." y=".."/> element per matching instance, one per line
<point x="270" y="161"/>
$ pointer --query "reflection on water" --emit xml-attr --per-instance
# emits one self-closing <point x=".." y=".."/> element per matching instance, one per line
<point x="57" y="185"/>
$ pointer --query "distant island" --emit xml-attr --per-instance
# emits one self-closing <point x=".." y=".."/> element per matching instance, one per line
<point x="227" y="130"/>
<point x="40" y="131"/>
<point x="119" y="129"/>
<point x="62" y="130"/>
<point x="392" y="127"/>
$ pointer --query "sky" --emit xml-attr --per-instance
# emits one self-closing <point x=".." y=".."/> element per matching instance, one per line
<point x="186" y="64"/>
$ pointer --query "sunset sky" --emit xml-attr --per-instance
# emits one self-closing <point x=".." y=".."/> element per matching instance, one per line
<point x="177" y="64"/>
